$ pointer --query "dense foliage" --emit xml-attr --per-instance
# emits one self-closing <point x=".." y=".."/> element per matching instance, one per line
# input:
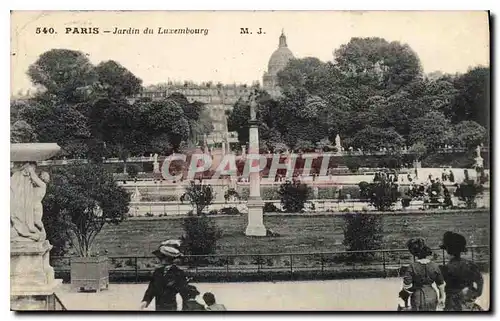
<point x="89" y="112"/>
<point x="80" y="199"/>
<point x="293" y="196"/>
<point x="375" y="96"/>
<point x="362" y="232"/>
<point x="200" y="232"/>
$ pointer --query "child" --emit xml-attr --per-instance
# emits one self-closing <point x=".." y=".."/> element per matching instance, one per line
<point x="209" y="299"/>
<point x="191" y="292"/>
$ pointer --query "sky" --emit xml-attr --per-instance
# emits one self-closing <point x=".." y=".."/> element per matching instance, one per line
<point x="445" y="41"/>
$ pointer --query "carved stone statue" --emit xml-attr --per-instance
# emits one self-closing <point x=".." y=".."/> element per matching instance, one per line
<point x="253" y="108"/>
<point x="26" y="194"/>
<point x="337" y="142"/>
<point x="478" y="151"/>
<point x="156" y="165"/>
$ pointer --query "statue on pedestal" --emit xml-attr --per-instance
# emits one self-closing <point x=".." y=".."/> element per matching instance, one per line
<point x="479" y="160"/>
<point x="156" y="165"/>
<point x="337" y="143"/>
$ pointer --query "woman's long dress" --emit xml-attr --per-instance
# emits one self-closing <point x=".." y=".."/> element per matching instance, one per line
<point x="418" y="280"/>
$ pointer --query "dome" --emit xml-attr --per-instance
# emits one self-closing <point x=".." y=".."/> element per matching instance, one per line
<point x="280" y="57"/>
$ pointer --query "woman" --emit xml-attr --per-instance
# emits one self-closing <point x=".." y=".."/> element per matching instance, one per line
<point x="419" y="278"/>
<point x="464" y="282"/>
<point x="168" y="280"/>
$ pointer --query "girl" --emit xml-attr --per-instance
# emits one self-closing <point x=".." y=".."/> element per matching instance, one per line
<point x="419" y="278"/>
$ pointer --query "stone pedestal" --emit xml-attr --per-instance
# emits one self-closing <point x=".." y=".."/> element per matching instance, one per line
<point x="255" y="226"/>
<point x="32" y="282"/>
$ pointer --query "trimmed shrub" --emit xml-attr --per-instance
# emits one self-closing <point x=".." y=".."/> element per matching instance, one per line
<point x="271" y="208"/>
<point x="293" y="196"/>
<point x="200" y="235"/>
<point x="362" y="232"/>
<point x="230" y="211"/>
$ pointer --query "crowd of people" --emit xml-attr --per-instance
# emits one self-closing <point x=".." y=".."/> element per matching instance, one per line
<point x="459" y="282"/>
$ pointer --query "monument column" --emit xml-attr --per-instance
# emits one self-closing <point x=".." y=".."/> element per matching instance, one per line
<point x="255" y="224"/>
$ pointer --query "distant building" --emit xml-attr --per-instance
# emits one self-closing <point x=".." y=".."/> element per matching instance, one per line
<point x="218" y="98"/>
<point x="277" y="62"/>
<point x="221" y="98"/>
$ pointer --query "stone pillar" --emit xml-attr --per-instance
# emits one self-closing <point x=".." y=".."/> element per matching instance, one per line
<point x="223" y="148"/>
<point x="31" y="277"/>
<point x="255" y="224"/>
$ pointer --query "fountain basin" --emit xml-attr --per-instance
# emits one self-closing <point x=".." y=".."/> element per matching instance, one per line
<point x="33" y="152"/>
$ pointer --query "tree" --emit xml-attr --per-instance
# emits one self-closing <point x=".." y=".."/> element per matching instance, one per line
<point x="309" y="73"/>
<point x="293" y="196"/>
<point x="22" y="132"/>
<point x="200" y="235"/>
<point x="80" y="200"/>
<point x="199" y="195"/>
<point x="473" y="99"/>
<point x="469" y="134"/>
<point x="117" y="81"/>
<point x="362" y="232"/>
<point x="377" y="63"/>
<point x="432" y="129"/>
<point x="418" y="150"/>
<point x="68" y="74"/>
<point x="373" y="139"/>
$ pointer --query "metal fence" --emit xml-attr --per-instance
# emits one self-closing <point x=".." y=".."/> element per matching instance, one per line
<point x="318" y="265"/>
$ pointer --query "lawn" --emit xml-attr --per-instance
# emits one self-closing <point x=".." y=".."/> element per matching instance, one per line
<point x="298" y="233"/>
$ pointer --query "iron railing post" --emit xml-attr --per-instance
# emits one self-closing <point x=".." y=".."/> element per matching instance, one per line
<point x="472" y="253"/>
<point x="322" y="263"/>
<point x="383" y="264"/>
<point x="444" y="258"/>
<point x="136" y="271"/>
<point x="291" y="266"/>
<point x="227" y="266"/>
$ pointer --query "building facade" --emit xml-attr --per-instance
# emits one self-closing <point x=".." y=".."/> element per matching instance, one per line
<point x="220" y="98"/>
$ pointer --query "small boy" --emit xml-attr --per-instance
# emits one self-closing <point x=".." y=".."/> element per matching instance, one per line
<point x="191" y="292"/>
<point x="209" y="299"/>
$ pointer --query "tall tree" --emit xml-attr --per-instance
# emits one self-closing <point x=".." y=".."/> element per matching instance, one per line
<point x="117" y="81"/>
<point x="432" y="129"/>
<point x="65" y="73"/>
<point x="473" y="99"/>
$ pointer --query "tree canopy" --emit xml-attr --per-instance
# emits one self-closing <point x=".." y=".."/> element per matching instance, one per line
<point x="91" y="112"/>
<point x="373" y="94"/>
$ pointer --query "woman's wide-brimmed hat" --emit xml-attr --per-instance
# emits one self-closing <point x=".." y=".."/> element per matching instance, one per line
<point x="168" y="248"/>
<point x="454" y="242"/>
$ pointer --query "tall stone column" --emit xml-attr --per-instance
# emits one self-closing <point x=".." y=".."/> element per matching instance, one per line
<point x="31" y="277"/>
<point x="255" y="225"/>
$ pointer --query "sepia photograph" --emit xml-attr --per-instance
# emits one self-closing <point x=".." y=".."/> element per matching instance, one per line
<point x="250" y="161"/>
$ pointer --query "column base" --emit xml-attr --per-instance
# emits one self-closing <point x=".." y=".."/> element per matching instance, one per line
<point x="256" y="230"/>
<point x="255" y="226"/>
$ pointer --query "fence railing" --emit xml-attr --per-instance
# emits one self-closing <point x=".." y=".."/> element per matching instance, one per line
<point x="387" y="262"/>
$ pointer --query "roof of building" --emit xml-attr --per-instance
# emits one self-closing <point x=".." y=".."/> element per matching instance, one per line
<point x="280" y="56"/>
